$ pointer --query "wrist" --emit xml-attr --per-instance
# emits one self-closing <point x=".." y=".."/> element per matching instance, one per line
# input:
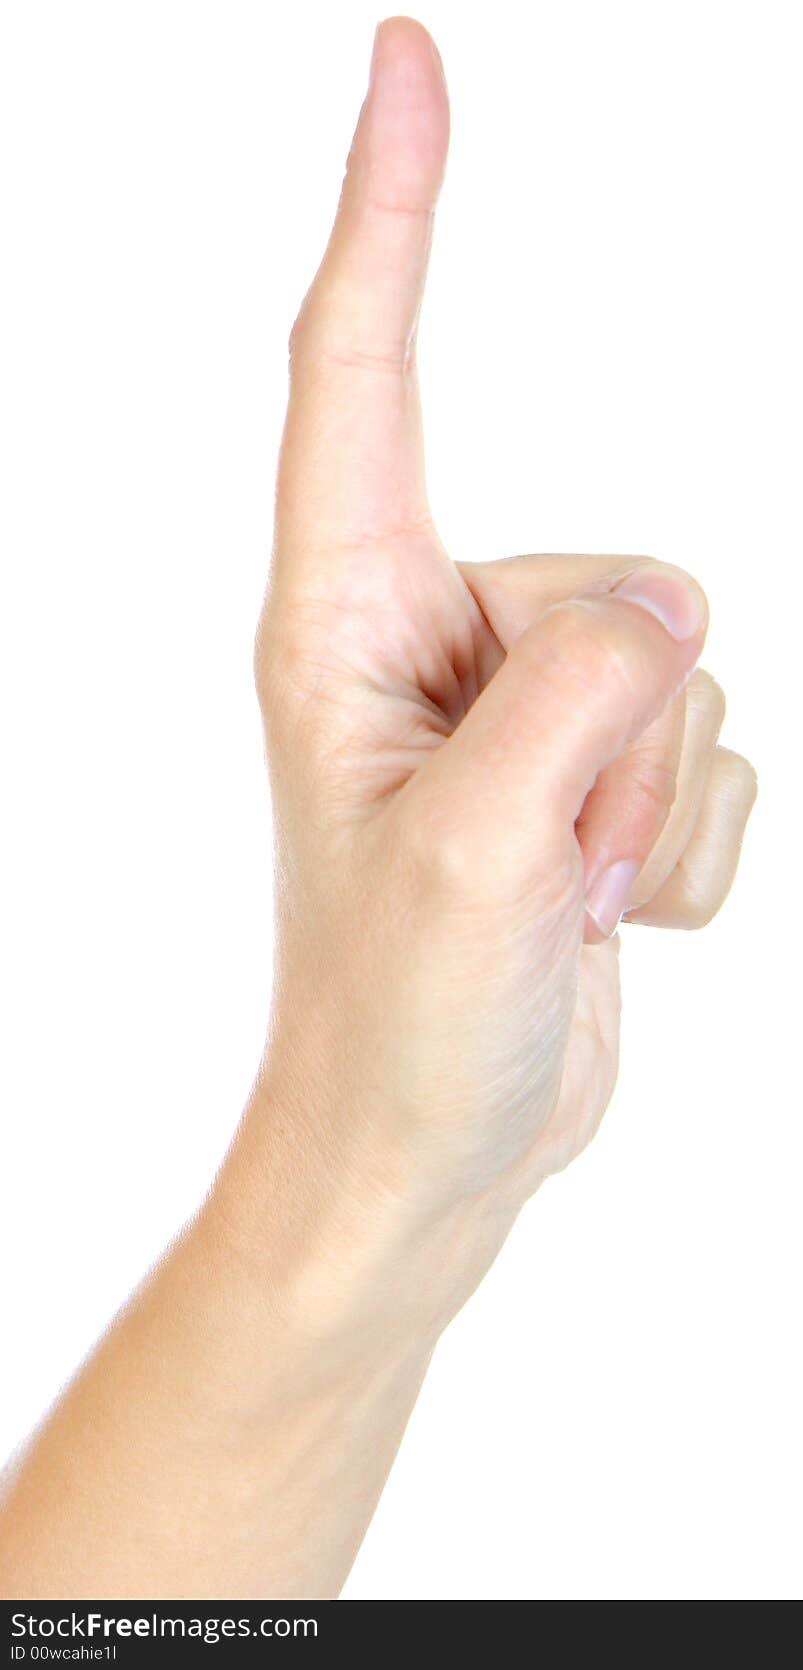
<point x="341" y="1256"/>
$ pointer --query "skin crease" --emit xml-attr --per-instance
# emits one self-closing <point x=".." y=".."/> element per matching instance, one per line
<point x="459" y="755"/>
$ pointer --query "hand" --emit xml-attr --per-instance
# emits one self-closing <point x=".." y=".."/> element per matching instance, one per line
<point x="476" y="769"/>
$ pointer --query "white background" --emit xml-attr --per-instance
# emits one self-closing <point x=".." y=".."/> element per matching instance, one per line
<point x="611" y="360"/>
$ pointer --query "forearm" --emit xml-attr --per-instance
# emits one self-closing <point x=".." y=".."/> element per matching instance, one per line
<point x="232" y="1433"/>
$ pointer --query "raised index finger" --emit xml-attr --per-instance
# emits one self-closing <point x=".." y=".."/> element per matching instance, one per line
<point x="352" y="461"/>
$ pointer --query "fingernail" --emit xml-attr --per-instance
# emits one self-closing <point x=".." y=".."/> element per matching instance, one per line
<point x="606" y="900"/>
<point x="674" y="599"/>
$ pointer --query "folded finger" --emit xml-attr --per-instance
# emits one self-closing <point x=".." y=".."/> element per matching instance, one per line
<point x="701" y="880"/>
<point x="624" y="814"/>
<point x="703" y="712"/>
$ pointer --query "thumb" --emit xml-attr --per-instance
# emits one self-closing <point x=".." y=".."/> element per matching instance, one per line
<point x="577" y="688"/>
<point x="352" y="462"/>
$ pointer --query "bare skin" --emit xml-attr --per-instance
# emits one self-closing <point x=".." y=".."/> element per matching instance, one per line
<point x="474" y="770"/>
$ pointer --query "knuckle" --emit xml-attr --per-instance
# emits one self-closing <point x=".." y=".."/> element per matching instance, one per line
<point x="702" y="899"/>
<point x="576" y="649"/>
<point x="706" y="697"/>
<point x="740" y="774"/>
<point x="451" y="870"/>
<point x="279" y="659"/>
<point x="442" y="856"/>
<point x="298" y="340"/>
<point x="653" y="783"/>
<point x="706" y="871"/>
<point x="699" y="889"/>
<point x="265" y="659"/>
